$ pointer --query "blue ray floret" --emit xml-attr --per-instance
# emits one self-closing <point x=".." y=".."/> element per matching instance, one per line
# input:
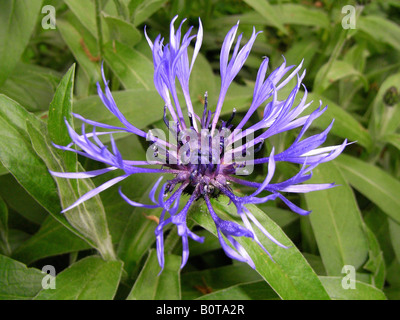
<point x="210" y="172"/>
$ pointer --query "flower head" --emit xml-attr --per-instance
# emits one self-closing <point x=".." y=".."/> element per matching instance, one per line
<point x="207" y="155"/>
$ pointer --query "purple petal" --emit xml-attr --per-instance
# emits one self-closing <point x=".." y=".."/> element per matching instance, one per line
<point x="82" y="175"/>
<point x="95" y="191"/>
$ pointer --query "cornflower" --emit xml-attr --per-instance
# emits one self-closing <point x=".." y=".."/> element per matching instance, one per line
<point x="207" y="156"/>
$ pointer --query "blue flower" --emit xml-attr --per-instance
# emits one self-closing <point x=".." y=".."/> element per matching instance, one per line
<point x="207" y="155"/>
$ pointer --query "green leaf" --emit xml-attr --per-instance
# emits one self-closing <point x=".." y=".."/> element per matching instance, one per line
<point x="82" y="44"/>
<point x="51" y="239"/>
<point x="268" y="12"/>
<point x="304" y="49"/>
<point x="85" y="13"/>
<point x="18" y="199"/>
<point x="32" y="86"/>
<point x="210" y="243"/>
<point x="301" y="15"/>
<point x="378" y="222"/>
<point x="374" y="183"/>
<point x="17" y="237"/>
<point x="392" y="293"/>
<point x="119" y="211"/>
<point x="145" y="10"/>
<point x="138" y="235"/>
<point x="309" y="243"/>
<point x="122" y="31"/>
<point x="136" y="240"/>
<point x="3" y="170"/>
<point x="289" y="14"/>
<point x="288" y="282"/>
<point x="88" y="279"/>
<point x="281" y="217"/>
<point x="89" y="218"/>
<point x="4" y="246"/>
<point x="19" y="157"/>
<point x="336" y="222"/>
<point x="133" y="69"/>
<point x="393" y="274"/>
<point x="17" y="21"/>
<point x="198" y="283"/>
<point x="140" y="107"/>
<point x="362" y="291"/>
<point x="345" y="126"/>
<point x="151" y="286"/>
<point x="60" y="110"/>
<point x="316" y="263"/>
<point x="380" y="29"/>
<point x="394" y="230"/>
<point x="376" y="262"/>
<point x="258" y="290"/>
<point x="337" y="70"/>
<point x="119" y="7"/>
<point x="17" y="282"/>
<point x="393" y="139"/>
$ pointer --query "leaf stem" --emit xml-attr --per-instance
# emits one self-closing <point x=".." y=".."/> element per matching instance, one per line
<point x="99" y="28"/>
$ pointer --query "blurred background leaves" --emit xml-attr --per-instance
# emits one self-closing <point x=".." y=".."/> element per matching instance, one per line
<point x="356" y="72"/>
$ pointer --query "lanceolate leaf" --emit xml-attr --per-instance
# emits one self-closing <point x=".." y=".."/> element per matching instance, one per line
<point x="17" y="282"/>
<point x="17" y="21"/>
<point x="336" y="222"/>
<point x="146" y="109"/>
<point x="376" y="262"/>
<point x="20" y="201"/>
<point x="32" y="86"/>
<point x="122" y="31"/>
<point x="133" y="69"/>
<point x="18" y="156"/>
<point x="145" y="9"/>
<point x="257" y="290"/>
<point x="288" y="282"/>
<point x="214" y="280"/>
<point x="138" y="235"/>
<point x="52" y="239"/>
<point x="268" y="12"/>
<point x="393" y="139"/>
<point x="89" y="218"/>
<point x="85" y="13"/>
<point x="337" y="70"/>
<point x="374" y="183"/>
<point x="381" y="30"/>
<point x="362" y="290"/>
<point x="89" y="279"/>
<point x="60" y="110"/>
<point x="298" y="14"/>
<point x="394" y="229"/>
<point x="151" y="286"/>
<point x="345" y="126"/>
<point x="82" y="44"/>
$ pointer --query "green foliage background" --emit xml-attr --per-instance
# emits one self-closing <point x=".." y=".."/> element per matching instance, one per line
<point x="104" y="249"/>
